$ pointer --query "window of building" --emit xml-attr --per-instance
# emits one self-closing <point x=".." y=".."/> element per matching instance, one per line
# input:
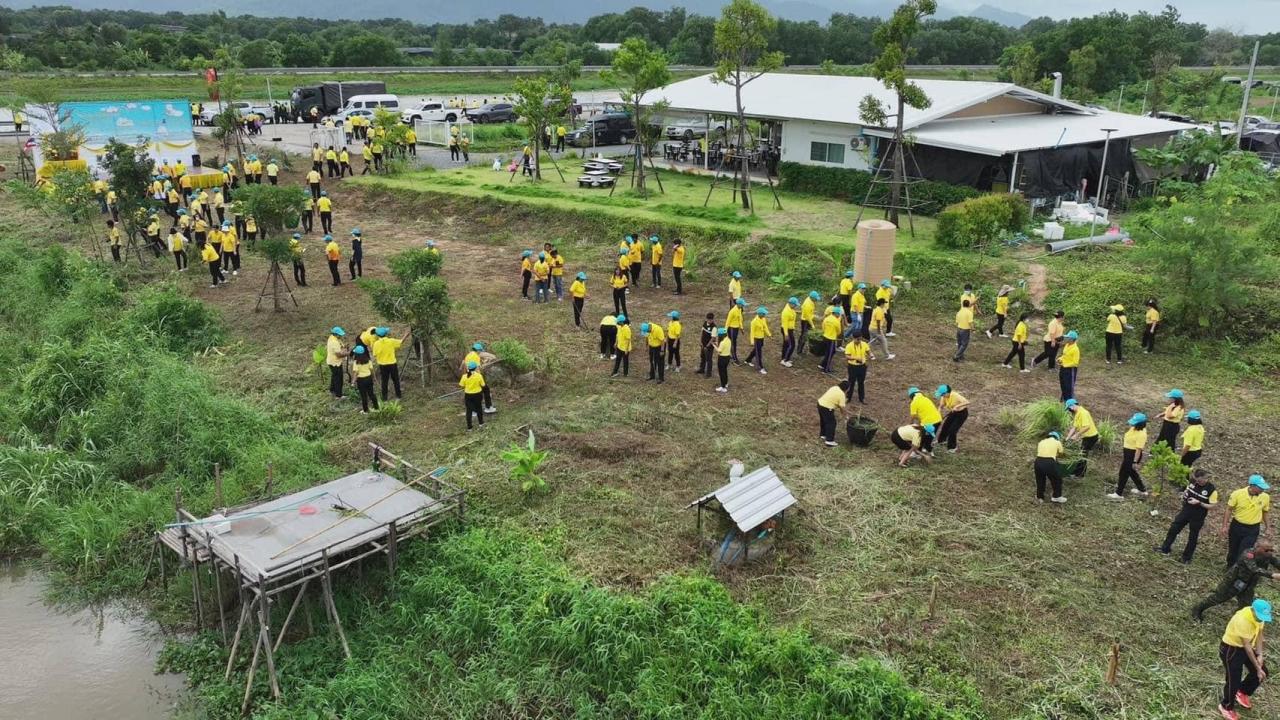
<point x="826" y="152"/>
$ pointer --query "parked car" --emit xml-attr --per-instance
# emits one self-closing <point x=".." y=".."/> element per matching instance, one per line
<point x="687" y="129"/>
<point x="492" y="113"/>
<point x="342" y="115"/>
<point x="429" y="110"/>
<point x="603" y="129"/>
<point x="243" y="108"/>
<point x="1175" y="117"/>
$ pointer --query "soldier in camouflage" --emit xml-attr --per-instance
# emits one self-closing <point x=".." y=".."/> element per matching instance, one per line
<point x="1240" y="581"/>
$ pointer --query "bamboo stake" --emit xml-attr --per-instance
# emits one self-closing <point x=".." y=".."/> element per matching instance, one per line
<point x="296" y="602"/>
<point x="270" y="477"/>
<point x="235" y="641"/>
<point x="217" y="485"/>
<point x="1113" y="664"/>
<point x="933" y="598"/>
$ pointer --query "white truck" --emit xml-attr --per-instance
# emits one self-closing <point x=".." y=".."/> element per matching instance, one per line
<point x="243" y="108"/>
<point x="430" y="111"/>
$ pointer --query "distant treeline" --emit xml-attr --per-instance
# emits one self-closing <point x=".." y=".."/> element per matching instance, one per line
<point x="1098" y="53"/>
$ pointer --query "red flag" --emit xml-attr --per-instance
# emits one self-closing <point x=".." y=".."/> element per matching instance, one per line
<point x="211" y="79"/>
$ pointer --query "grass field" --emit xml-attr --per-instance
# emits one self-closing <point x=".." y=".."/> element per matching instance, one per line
<point x="1029" y="598"/>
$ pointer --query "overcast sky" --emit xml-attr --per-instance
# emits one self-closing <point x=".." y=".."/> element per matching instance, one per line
<point x="1239" y="15"/>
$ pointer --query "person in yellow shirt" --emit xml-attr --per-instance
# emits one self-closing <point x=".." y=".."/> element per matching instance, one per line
<point x="384" y="354"/>
<point x="964" y="329"/>
<point x="113" y="205"/>
<point x="331" y="163"/>
<point x="219" y="206"/>
<point x="333" y="254"/>
<point x="344" y="163"/>
<point x="325" y="206"/>
<point x="230" y="249"/>
<point x="1070" y="365"/>
<point x="362" y="370"/>
<point x="1083" y="429"/>
<point x="845" y="294"/>
<point x="526" y="273"/>
<point x="858" y="305"/>
<point x="210" y="257"/>
<point x="179" y="169"/>
<point x="856" y="354"/>
<point x="787" y="324"/>
<point x="1116" y="324"/>
<point x="335" y="350"/>
<point x="807" y="309"/>
<point x="677" y="264"/>
<point x="1047" y="469"/>
<point x="830" y="337"/>
<point x="1193" y="438"/>
<point x="1150" y="323"/>
<point x="100" y="193"/>
<point x="886" y="292"/>
<point x="835" y="398"/>
<point x="909" y="439"/>
<point x="556" y="261"/>
<point x="308" y="213"/>
<point x="608" y="336"/>
<point x="411" y="142"/>
<point x="622" y="347"/>
<point x="251" y="230"/>
<point x="464" y="144"/>
<point x="473" y="389"/>
<point x="674" y="330"/>
<point x="1002" y="312"/>
<point x="1249" y="509"/>
<point x="115" y="240"/>
<point x="560" y="133"/>
<point x="971" y="296"/>
<point x="1052" y="341"/>
<point x="366" y="154"/>
<point x="759" y="331"/>
<point x="1242" y="658"/>
<point x="724" y="350"/>
<point x="313" y="182"/>
<point x="733" y="322"/>
<point x="316" y="156"/>
<point x="956" y="409"/>
<point x="1019" y="344"/>
<point x="656" y="340"/>
<point x="179" y="251"/>
<point x="257" y="170"/>
<point x="735" y="288"/>
<point x="926" y="414"/>
<point x="1135" y="443"/>
<point x="655" y="259"/>
<point x="578" y="293"/>
<point x="273" y="172"/>
<point x="541" y="279"/>
<point x="635" y="261"/>
<point x="481" y="358"/>
<point x="295" y="254"/>
<point x="1171" y="418"/>
<point x="377" y="153"/>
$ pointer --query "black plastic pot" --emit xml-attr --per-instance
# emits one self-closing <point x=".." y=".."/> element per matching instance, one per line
<point x="861" y="431"/>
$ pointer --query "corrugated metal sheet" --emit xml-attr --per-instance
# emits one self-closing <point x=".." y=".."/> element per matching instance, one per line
<point x="752" y="498"/>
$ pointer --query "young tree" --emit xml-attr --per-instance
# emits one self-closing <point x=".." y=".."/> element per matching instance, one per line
<point x="131" y="169"/>
<point x="890" y="68"/>
<point x="394" y="134"/>
<point x="418" y="298"/>
<point x="1163" y="64"/>
<point x="1020" y="65"/>
<point x="274" y="208"/>
<point x="742" y="55"/>
<point x="1083" y="66"/>
<point x="540" y="102"/>
<point x="637" y="70"/>
<point x="229" y="86"/>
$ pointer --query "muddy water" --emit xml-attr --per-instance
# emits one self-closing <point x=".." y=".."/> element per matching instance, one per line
<point x="76" y="665"/>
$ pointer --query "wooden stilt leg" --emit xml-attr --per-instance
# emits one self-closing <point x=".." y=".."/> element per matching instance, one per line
<point x="264" y="631"/>
<point x="245" y="609"/>
<point x="332" y="607"/>
<point x="253" y="666"/>
<point x="292" y="609"/>
<point x="222" y="615"/>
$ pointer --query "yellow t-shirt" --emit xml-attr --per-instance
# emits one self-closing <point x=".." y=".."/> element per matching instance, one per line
<point x="636" y="253"/>
<point x="910" y="434"/>
<point x="332" y="251"/>
<point x="331" y="154"/>
<point x="833" y="398"/>
<point x="114" y="236"/>
<point x="1247" y="509"/>
<point x="332" y="350"/>
<point x="971" y="297"/>
<point x="316" y="154"/>
<point x="725" y="348"/>
<point x="677" y="257"/>
<point x="1082" y="420"/>
<point x="1053" y="331"/>
<point x="856" y="352"/>
<point x="557" y="265"/>
<point x="760" y="329"/>
<point x="735" y="288"/>
<point x="846" y="286"/>
<point x="272" y="169"/>
<point x="734" y="318"/>
<point x="1114" y="326"/>
<point x="858" y="302"/>
<point x="655" y="254"/>
<point x="1243" y="628"/>
<point x="384" y="350"/>
<point x="788" y="320"/>
<point x="471" y="382"/>
<point x="313" y="177"/>
<point x="175" y="242"/>
<point x="964" y="319"/>
<point x="623" y="343"/>
<point x="657" y="338"/>
<point x="1153" y="316"/>
<point x="609" y="321"/>
<point x="1070" y="355"/>
<point x="830" y="327"/>
<point x="1173" y="413"/>
<point x="1193" y="438"/>
<point x="886" y="295"/>
<point x="878" y="320"/>
<point x="953" y="400"/>
<point x="209" y="254"/>
<point x="362" y="369"/>
<point x="1049" y="448"/>
<point x="324" y="204"/>
<point x="229" y="241"/>
<point x="578" y="289"/>
<point x="1135" y="439"/>
<point x="618" y="281"/>
<point x="674" y="330"/>
<point x="541" y="270"/>
<point x="1020" y="332"/>
<point x="1002" y="305"/>
<point x="806" y="310"/>
<point x="923" y="409"/>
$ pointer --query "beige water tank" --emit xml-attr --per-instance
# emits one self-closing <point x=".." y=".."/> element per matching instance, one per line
<point x="873" y="252"/>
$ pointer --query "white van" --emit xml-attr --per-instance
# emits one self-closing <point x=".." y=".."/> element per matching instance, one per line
<point x="390" y="103"/>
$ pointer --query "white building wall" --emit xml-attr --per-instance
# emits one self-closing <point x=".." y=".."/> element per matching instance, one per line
<point x="798" y="135"/>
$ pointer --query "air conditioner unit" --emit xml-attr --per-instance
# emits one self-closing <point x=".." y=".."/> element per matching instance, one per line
<point x="857" y="142"/>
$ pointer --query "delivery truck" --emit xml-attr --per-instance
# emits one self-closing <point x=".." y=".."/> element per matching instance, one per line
<point x="329" y="97"/>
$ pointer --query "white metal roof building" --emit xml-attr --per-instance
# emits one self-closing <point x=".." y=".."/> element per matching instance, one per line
<point x="973" y="132"/>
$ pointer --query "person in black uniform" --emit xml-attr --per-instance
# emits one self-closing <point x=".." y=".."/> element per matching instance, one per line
<point x="707" y="345"/>
<point x="1239" y="582"/>
<point x="1197" y="499"/>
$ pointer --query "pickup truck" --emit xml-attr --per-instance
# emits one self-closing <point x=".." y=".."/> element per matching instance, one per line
<point x="244" y="108"/>
<point x="429" y="110"/>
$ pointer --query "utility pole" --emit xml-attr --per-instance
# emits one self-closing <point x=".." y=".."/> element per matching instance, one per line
<point x="1248" y="85"/>
<point x="1102" y="174"/>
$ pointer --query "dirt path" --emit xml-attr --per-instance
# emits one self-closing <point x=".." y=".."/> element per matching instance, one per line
<point x="1037" y="284"/>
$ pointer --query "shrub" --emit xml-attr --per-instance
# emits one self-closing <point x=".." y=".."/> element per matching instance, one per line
<point x="181" y="323"/>
<point x="514" y="354"/>
<point x="978" y="222"/>
<point x="525" y="461"/>
<point x="1085" y="294"/>
<point x="852" y="185"/>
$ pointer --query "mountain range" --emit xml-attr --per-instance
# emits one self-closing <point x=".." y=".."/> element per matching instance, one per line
<point x="433" y="11"/>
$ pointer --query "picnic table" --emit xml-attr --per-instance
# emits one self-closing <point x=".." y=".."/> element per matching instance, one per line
<point x="596" y="179"/>
<point x="602" y="164"/>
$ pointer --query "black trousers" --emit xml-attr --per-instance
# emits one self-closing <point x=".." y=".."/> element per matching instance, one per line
<point x="1169" y="433"/>
<point x="272" y="179"/>
<point x="951" y="425"/>
<point x="1115" y="341"/>
<point x="788" y="344"/>
<point x="315" y="191"/>
<point x="1241" y="675"/>
<point x="1149" y="339"/>
<point x="577" y="311"/>
<point x="1128" y="471"/>
<point x="389" y="373"/>
<point x="657" y="275"/>
<point x="722" y="365"/>
<point x="180" y="259"/>
<point x="335" y="380"/>
<point x="705" y="363"/>
<point x="673" y="353"/>
<point x="215" y="272"/>
<point x="847" y="306"/>
<point x="619" y="301"/>
<point x="115" y="253"/>
<point x="999" y="328"/>
<point x="1047" y="470"/>
<point x="622" y="360"/>
<point x="368" y="397"/>
<point x="333" y="270"/>
<point x="1190" y="457"/>
<point x="1067" y="382"/>
<point x="356" y="266"/>
<point x="1049" y="355"/>
<point x="332" y="167"/>
<point x="866" y="323"/>
<point x="805" y="327"/>
<point x="1086" y="445"/>
<point x="677" y="273"/>
<point x="308" y="218"/>
<point x="827" y="423"/>
<point x="857" y="379"/>
<point x="828" y="352"/>
<point x="733" y="343"/>
<point x="472" y="402"/>
<point x="657" y="363"/>
<point x="326" y="221"/>
<point x="608" y="336"/>
<point x="1189" y="517"/>
<point x="525" y="277"/>
<point x="299" y="273"/>
<point x="635" y="273"/>
<point x="1018" y="350"/>
<point x="1240" y="537"/>
<point x="757" y="354"/>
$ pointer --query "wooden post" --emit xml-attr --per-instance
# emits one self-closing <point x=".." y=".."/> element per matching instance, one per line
<point x="327" y="586"/>
<point x="217" y="583"/>
<point x="235" y="640"/>
<point x="253" y="666"/>
<point x="292" y="609"/>
<point x="1113" y="664"/>
<point x="271" y="477"/>
<point x="933" y="598"/>
<point x="217" y="485"/>
<point x="264" y="633"/>
<point x="391" y="547"/>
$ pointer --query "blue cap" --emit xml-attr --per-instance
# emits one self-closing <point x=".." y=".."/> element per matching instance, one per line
<point x="382" y="331"/>
<point x="793" y="300"/>
<point x="931" y="429"/>
<point x="1056" y="435"/>
<point x="359" y="350"/>
<point x="848" y="273"/>
<point x="1071" y="403"/>
<point x="885" y="283"/>
<point x="942" y="390"/>
<point x="621" y="318"/>
<point x="722" y="331"/>
<point x="1258" y="482"/>
<point x="1073" y="335"/>
<point x="184" y="212"/>
<point x="644" y="328"/>
<point x="862" y="286"/>
<point x="1137" y="419"/>
<point x="338" y="331"/>
<point x="1262" y="609"/>
<point x="1193" y="415"/>
<point x="297" y="236"/>
<point x="813" y="295"/>
<point x="621" y="251"/>
<point x="542" y="255"/>
<point x="1174" y="394"/>
<point x="741" y="302"/>
<point x="226" y="224"/>
<point x="911" y="391"/>
<point x="762" y="311"/>
<point x="629" y="239"/>
<point x="674" y="314"/>
<point x="355" y="231"/>
<point x="737" y="274"/>
<point x="653" y="238"/>
<point x="471" y="365"/>
<point x="582" y="276"/>
<point x="478" y="347"/>
<point x="323" y="193"/>
<point x="837" y="312"/>
<point x="526" y="253"/>
<point x="328" y="238"/>
<point x="431" y="243"/>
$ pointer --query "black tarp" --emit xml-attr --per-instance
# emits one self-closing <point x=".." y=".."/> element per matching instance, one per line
<point x="1059" y="171"/>
<point x="958" y="167"/>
